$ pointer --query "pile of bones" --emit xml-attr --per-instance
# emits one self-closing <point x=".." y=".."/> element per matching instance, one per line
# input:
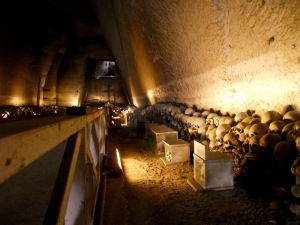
<point x="271" y="138"/>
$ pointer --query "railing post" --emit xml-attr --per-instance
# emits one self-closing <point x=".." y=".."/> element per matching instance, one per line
<point x="61" y="191"/>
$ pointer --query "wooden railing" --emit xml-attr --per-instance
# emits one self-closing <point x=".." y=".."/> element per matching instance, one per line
<point x="23" y="142"/>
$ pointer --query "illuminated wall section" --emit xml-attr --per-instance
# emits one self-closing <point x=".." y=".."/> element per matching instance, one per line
<point x="228" y="55"/>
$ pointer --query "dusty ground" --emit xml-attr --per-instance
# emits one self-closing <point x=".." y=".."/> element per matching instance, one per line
<point x="151" y="193"/>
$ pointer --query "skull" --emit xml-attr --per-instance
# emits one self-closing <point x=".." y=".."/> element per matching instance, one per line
<point x="276" y="126"/>
<point x="189" y="111"/>
<point x="287" y="128"/>
<point x="213" y="147"/>
<point x="202" y="131"/>
<point x="240" y="116"/>
<point x="175" y="110"/>
<point x="230" y="141"/>
<point x="247" y="119"/>
<point x="255" y="120"/>
<point x="296" y="129"/>
<point x="247" y="130"/>
<point x="270" y="116"/>
<point x="205" y="113"/>
<point x="216" y="120"/>
<point x="290" y="137"/>
<point x="220" y="137"/>
<point x="211" y="133"/>
<point x="226" y="120"/>
<point x="297" y="141"/>
<point x="197" y="114"/>
<point x="210" y="118"/>
<point x="295" y="167"/>
<point x="239" y="128"/>
<point x="291" y="116"/>
<point x="268" y="141"/>
<point x="254" y="143"/>
<point x="224" y="128"/>
<point x="259" y="129"/>
<point x="169" y="109"/>
<point x="198" y="121"/>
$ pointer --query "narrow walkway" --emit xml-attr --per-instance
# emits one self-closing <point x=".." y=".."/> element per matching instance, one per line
<point x="150" y="193"/>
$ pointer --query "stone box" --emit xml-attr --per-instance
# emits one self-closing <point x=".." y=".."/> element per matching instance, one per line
<point x="156" y="134"/>
<point x="176" y="150"/>
<point x="214" y="172"/>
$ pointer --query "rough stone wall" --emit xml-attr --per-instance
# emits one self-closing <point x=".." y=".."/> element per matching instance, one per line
<point x="230" y="55"/>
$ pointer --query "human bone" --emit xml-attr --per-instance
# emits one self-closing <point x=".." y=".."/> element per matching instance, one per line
<point x="247" y="119"/>
<point x="276" y="126"/>
<point x="289" y="136"/>
<point x="169" y="109"/>
<point x="227" y="120"/>
<point x="291" y="116"/>
<point x="197" y="122"/>
<point x="224" y="128"/>
<point x="284" y="153"/>
<point x="211" y="134"/>
<point x="213" y="145"/>
<point x="210" y="118"/>
<point x="255" y="120"/>
<point x="297" y="141"/>
<point x="296" y="129"/>
<point x="175" y="110"/>
<point x="295" y="165"/>
<point x="205" y="113"/>
<point x="196" y="114"/>
<point x="254" y="143"/>
<point x="269" y="140"/>
<point x="242" y="137"/>
<point x="220" y="137"/>
<point x="247" y="130"/>
<point x="184" y="119"/>
<point x="239" y="128"/>
<point x="230" y="140"/>
<point x="259" y="129"/>
<point x="216" y="120"/>
<point x="202" y="131"/>
<point x="296" y="192"/>
<point x="287" y="128"/>
<point x="270" y="116"/>
<point x="240" y="116"/>
<point x="189" y="111"/>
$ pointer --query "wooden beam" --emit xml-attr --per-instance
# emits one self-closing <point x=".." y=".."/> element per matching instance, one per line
<point x="61" y="191"/>
<point x="24" y="142"/>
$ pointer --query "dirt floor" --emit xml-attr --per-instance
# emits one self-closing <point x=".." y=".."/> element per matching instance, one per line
<point x="150" y="193"/>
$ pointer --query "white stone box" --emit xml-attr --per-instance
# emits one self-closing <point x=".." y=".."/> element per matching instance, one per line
<point x="176" y="150"/>
<point x="156" y="134"/>
<point x="214" y="172"/>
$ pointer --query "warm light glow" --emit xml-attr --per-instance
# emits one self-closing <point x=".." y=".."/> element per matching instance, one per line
<point x="75" y="102"/>
<point x="119" y="159"/>
<point x="5" y="114"/>
<point x="16" y="101"/>
<point x="150" y="96"/>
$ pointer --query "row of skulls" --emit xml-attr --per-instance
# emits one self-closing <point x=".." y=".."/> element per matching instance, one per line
<point x="267" y="135"/>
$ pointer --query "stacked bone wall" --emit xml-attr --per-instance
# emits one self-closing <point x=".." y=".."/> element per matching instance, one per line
<point x="268" y="137"/>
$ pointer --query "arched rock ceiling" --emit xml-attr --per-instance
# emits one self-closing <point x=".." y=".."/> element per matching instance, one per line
<point x="230" y="55"/>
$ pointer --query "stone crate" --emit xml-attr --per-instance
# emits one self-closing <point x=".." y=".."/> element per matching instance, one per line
<point x="176" y="150"/>
<point x="156" y="134"/>
<point x="216" y="172"/>
<point x="212" y="170"/>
